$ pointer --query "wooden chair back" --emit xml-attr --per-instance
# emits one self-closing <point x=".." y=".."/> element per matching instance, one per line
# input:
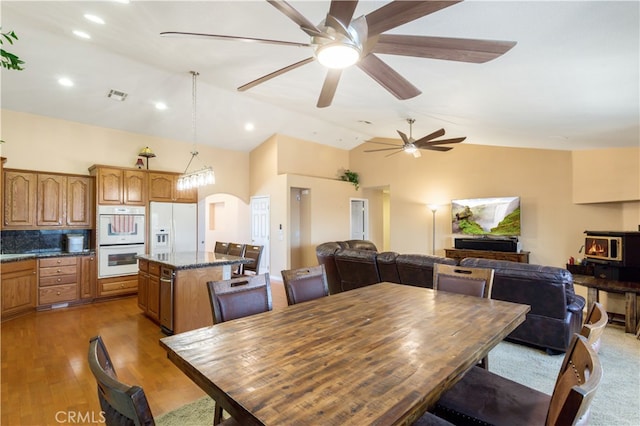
<point x="578" y="380"/>
<point x="239" y="297"/>
<point x="253" y="252"/>
<point x="221" y="247"/>
<point x="463" y="280"/>
<point x="121" y="404"/>
<point x="305" y="284"/>
<point x="236" y="249"/>
<point x="594" y="325"/>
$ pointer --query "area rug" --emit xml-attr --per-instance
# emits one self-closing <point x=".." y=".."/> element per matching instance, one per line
<point x="617" y="401"/>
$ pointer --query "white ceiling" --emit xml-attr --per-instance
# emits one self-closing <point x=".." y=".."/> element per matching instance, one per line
<point x="571" y="82"/>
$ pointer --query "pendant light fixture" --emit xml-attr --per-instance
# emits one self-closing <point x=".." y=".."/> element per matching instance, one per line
<point x="204" y="176"/>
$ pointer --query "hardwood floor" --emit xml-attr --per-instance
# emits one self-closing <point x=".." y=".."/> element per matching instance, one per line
<point x="45" y="376"/>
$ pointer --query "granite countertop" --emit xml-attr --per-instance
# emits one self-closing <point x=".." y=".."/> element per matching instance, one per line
<point x="194" y="259"/>
<point x="16" y="257"/>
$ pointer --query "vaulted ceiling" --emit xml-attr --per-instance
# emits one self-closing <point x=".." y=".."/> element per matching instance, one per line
<point x="571" y="81"/>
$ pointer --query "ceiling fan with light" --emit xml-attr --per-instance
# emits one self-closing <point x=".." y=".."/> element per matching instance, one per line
<point x="412" y="146"/>
<point x="340" y="41"/>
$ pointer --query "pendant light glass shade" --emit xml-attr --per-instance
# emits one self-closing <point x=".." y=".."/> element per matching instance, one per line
<point x="201" y="177"/>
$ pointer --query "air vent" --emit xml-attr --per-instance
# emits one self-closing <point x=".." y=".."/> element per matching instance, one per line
<point x="117" y="95"/>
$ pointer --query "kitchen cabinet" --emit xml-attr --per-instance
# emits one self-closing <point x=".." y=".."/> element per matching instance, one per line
<point x="88" y="277"/>
<point x="80" y="201"/>
<point x="19" y="199"/>
<point x="120" y="186"/>
<point x="149" y="289"/>
<point x="58" y="283"/>
<point x="51" y="201"/>
<point x="163" y="186"/>
<point x="117" y="286"/>
<point x="34" y="200"/>
<point x="19" y="283"/>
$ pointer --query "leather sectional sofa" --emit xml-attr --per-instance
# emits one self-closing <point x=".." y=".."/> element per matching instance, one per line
<point x="556" y="311"/>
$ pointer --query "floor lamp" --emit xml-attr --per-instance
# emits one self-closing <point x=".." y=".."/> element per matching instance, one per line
<point x="434" y="209"/>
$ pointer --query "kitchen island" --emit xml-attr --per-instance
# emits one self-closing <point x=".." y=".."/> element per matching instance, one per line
<point x="172" y="287"/>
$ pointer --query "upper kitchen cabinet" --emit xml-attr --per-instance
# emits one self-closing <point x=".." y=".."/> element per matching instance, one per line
<point x="19" y="199"/>
<point x="163" y="186"/>
<point x="120" y="186"/>
<point x="80" y="201"/>
<point x="52" y="197"/>
<point x="34" y="200"/>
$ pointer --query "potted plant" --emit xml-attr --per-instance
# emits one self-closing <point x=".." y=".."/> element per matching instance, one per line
<point x="349" y="176"/>
<point x="9" y="60"/>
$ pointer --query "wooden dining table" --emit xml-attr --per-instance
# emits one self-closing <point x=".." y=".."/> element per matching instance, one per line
<point x="381" y="355"/>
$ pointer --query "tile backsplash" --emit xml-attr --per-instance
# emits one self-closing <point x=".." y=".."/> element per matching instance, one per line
<point x="38" y="241"/>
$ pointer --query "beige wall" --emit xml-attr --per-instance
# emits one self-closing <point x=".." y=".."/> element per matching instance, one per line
<point x="40" y="143"/>
<point x="606" y="175"/>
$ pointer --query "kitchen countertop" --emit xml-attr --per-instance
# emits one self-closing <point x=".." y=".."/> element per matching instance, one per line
<point x="16" y="257"/>
<point x="194" y="259"/>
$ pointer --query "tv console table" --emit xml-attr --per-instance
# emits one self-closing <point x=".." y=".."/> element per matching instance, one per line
<point x="630" y="289"/>
<point x="459" y="254"/>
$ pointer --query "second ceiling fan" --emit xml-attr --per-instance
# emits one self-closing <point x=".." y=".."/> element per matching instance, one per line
<point x="413" y="146"/>
<point x="359" y="40"/>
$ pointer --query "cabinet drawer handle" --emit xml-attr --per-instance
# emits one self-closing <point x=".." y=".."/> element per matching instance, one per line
<point x="58" y="293"/>
<point x="59" y="279"/>
<point x="57" y="261"/>
<point x="58" y="271"/>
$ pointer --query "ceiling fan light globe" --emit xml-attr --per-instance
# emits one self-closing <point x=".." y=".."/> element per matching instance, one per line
<point x="338" y="55"/>
<point x="410" y="149"/>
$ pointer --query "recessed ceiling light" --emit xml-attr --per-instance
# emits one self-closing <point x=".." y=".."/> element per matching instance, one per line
<point x="64" y="81"/>
<point x="81" y="34"/>
<point x="93" y="18"/>
<point x="161" y="106"/>
<point x="249" y="127"/>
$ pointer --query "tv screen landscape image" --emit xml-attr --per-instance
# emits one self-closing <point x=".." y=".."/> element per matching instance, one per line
<point x="499" y="216"/>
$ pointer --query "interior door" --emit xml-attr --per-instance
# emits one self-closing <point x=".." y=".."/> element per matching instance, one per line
<point x="359" y="219"/>
<point x="260" y="228"/>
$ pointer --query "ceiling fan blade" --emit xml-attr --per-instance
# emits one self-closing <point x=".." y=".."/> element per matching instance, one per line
<point x="379" y="142"/>
<point x="430" y="136"/>
<point x="404" y="137"/>
<point x="437" y="148"/>
<point x="440" y="142"/>
<point x="274" y="74"/>
<point x="417" y="154"/>
<point x="450" y="49"/>
<point x="329" y="87"/>
<point x="232" y="38"/>
<point x="397" y="13"/>
<point x="343" y="10"/>
<point x="304" y="24"/>
<point x="384" y="149"/>
<point x="397" y="85"/>
<point x="394" y="153"/>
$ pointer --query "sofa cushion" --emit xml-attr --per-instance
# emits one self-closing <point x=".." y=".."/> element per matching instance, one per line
<point x="356" y="268"/>
<point x="325" y="253"/>
<point x="387" y="266"/>
<point x="360" y="245"/>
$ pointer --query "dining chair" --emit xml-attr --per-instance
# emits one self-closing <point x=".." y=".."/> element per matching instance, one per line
<point x="121" y="404"/>
<point x="594" y="325"/>
<point x="253" y="252"/>
<point x="236" y="249"/>
<point x="482" y="397"/>
<point x="221" y="247"/>
<point x="237" y="298"/>
<point x="464" y="280"/>
<point x="305" y="284"/>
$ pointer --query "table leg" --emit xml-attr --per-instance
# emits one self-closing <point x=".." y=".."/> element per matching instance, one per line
<point x="592" y="297"/>
<point x="630" y="312"/>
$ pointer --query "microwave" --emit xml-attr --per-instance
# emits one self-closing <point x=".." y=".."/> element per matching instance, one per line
<point x="603" y="247"/>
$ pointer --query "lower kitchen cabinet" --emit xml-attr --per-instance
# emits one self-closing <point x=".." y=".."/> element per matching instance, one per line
<point x="117" y="286"/>
<point x="18" y="287"/>
<point x="149" y="289"/>
<point x="88" y="277"/>
<point x="59" y="277"/>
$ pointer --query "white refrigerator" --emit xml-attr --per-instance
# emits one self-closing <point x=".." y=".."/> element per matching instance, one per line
<point x="173" y="227"/>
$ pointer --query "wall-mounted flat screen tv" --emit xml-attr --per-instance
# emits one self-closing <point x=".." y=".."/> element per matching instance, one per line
<point x="486" y="216"/>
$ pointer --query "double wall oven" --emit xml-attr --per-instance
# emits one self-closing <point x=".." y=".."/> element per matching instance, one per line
<point x="121" y="237"/>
